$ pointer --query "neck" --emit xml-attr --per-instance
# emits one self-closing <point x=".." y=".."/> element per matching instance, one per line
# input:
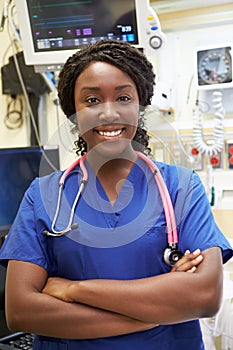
<point x="112" y="173"/>
<point x="108" y="165"/>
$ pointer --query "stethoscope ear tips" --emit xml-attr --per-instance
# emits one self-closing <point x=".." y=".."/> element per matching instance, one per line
<point x="171" y="256"/>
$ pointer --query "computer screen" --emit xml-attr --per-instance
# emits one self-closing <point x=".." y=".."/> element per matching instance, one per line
<point x="51" y="30"/>
<point x="19" y="166"/>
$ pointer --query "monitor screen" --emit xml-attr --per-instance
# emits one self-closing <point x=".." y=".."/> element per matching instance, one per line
<point x="53" y="30"/>
<point x="61" y="26"/>
<point x="19" y="166"/>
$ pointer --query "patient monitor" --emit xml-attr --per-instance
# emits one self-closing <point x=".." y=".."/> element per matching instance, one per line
<point x="52" y="31"/>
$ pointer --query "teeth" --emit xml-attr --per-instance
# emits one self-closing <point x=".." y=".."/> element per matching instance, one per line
<point x="110" y="133"/>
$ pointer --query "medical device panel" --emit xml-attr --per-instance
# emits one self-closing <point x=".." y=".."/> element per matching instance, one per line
<point x="214" y="67"/>
<point x="52" y="30"/>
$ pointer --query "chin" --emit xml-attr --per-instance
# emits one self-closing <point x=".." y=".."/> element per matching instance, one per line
<point x="112" y="149"/>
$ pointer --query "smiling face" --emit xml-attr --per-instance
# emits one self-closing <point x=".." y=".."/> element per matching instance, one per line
<point x="107" y="106"/>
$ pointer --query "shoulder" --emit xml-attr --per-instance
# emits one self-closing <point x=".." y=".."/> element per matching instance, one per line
<point x="44" y="183"/>
<point x="182" y="182"/>
<point x="49" y="179"/>
<point x="176" y="174"/>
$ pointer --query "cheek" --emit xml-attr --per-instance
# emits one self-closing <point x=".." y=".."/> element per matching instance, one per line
<point x="86" y="121"/>
<point x="132" y="117"/>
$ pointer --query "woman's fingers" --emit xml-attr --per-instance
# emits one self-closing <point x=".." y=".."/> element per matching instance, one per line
<point x="189" y="262"/>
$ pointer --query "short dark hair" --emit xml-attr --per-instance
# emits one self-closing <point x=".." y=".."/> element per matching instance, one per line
<point x="123" y="56"/>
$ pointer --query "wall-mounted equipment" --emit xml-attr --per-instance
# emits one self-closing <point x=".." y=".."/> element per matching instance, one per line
<point x="52" y="32"/>
<point x="214" y="67"/>
<point x="230" y="155"/>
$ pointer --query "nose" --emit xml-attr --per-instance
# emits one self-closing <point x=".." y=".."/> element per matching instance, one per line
<point x="109" y="112"/>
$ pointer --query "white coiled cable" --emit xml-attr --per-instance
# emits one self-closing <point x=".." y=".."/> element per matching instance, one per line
<point x="218" y="139"/>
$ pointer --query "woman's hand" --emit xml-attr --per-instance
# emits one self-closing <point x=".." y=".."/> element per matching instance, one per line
<point x="58" y="288"/>
<point x="188" y="262"/>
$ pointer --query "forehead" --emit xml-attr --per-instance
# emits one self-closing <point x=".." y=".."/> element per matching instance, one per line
<point x="103" y="72"/>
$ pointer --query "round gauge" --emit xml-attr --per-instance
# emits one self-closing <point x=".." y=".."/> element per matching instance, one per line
<point x="214" y="66"/>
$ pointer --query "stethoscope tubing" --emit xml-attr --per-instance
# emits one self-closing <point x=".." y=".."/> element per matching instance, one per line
<point x="165" y="197"/>
<point x="166" y="200"/>
<point x="79" y="161"/>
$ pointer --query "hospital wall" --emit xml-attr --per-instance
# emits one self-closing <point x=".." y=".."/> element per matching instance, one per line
<point x="174" y="65"/>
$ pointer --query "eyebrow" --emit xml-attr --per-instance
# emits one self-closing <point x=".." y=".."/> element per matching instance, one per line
<point x="96" y="88"/>
<point x="121" y="87"/>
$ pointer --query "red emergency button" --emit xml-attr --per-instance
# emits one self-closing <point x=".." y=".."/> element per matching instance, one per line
<point x="214" y="161"/>
<point x="194" y="151"/>
<point x="230" y="150"/>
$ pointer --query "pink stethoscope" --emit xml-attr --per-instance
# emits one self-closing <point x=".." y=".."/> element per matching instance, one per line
<point x="171" y="253"/>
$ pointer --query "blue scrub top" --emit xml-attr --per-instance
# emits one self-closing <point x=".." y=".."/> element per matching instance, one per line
<point x="121" y="241"/>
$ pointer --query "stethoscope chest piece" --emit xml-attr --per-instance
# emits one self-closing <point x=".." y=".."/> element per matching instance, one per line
<point x="172" y="255"/>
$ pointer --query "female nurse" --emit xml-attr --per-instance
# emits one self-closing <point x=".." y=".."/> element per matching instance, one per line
<point x="105" y="285"/>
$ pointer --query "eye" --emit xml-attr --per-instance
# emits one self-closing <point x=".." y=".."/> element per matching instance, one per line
<point x="124" y="99"/>
<point x="92" y="100"/>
